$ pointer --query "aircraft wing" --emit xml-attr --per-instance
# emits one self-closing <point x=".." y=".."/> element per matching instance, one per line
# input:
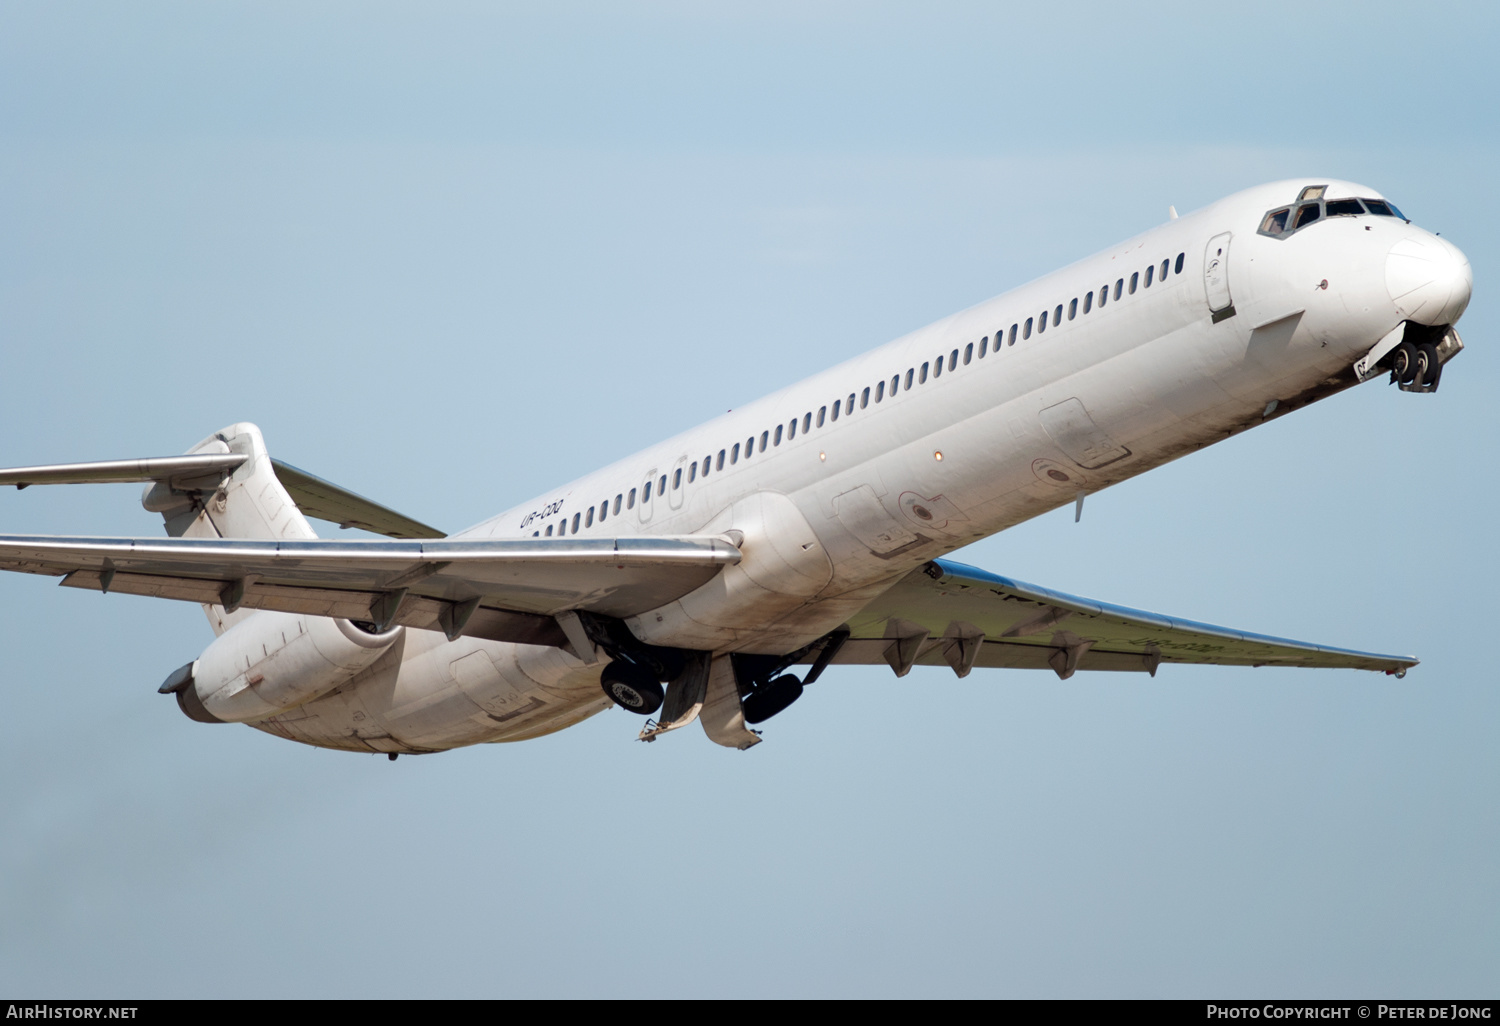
<point x="506" y="590"/>
<point x="949" y="613"/>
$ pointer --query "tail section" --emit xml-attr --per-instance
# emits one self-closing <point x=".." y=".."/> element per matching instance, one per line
<point x="248" y="501"/>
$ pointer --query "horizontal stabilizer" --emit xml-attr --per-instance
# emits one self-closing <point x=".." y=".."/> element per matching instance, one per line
<point x="949" y="613"/>
<point x="202" y="472"/>
<point x="324" y="500"/>
<point x="207" y="468"/>
<point x="519" y="583"/>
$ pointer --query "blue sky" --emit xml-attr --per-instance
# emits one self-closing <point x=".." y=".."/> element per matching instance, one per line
<point x="451" y="256"/>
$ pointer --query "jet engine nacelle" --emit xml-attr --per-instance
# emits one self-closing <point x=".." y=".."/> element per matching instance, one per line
<point x="271" y="662"/>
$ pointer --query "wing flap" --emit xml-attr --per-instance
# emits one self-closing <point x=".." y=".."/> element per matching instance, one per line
<point x="994" y="655"/>
<point x="1027" y="626"/>
<point x="415" y="611"/>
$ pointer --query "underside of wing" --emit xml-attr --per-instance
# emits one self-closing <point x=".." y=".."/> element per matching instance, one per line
<point x="947" y="613"/>
<point x="506" y="590"/>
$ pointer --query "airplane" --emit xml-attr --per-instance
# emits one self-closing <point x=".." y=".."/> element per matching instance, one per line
<point x="809" y="529"/>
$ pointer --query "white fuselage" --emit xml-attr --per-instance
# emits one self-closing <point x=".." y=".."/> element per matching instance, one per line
<point x="914" y="464"/>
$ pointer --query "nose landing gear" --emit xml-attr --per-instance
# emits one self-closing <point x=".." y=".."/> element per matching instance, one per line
<point x="1413" y="353"/>
<point x="1416" y="367"/>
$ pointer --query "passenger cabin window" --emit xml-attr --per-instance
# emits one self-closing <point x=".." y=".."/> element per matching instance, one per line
<point x="646" y="492"/>
<point x="1013" y="334"/>
<point x="1057" y="315"/>
<point x="953" y="360"/>
<point x="707" y="464"/>
<point x="791" y="430"/>
<point x="618" y="500"/>
<point x="1134" y="281"/>
<point x="562" y="527"/>
<point x="1306" y="215"/>
<point x="1177" y="268"/>
<point x="1072" y="309"/>
<point x="1041" y="324"/>
<point x="603" y="511"/>
<point x="1104" y="295"/>
<point x="849" y="407"/>
<point x="661" y="486"/>
<point x="576" y="517"/>
<point x="549" y="530"/>
<point x="984" y="345"/>
<point x="1088" y="302"/>
<point x="968" y="353"/>
<point x="734" y="454"/>
<point x="1026" y="332"/>
<point x="630" y="499"/>
<point x="778" y="435"/>
<point x="1149" y="271"/>
<point x="1343" y="208"/>
<point x="676" y="479"/>
<point x="838" y="404"/>
<point x="719" y="463"/>
<point x="1164" y="265"/>
<point x="822" y="417"/>
<point x="880" y="391"/>
<point x="1119" y="287"/>
<point x="910" y="374"/>
<point x="692" y="471"/>
<point x="923" y="379"/>
<point x="806" y="422"/>
<point x="864" y="398"/>
<point x="764" y="435"/>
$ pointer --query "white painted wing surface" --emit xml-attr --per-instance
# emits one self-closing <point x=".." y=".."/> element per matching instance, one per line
<point x="1030" y="627"/>
<point x="519" y="583"/>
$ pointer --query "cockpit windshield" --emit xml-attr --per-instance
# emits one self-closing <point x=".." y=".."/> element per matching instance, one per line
<point x="1312" y="206"/>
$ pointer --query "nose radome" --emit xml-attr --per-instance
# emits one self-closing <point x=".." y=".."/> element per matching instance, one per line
<point x="1429" y="279"/>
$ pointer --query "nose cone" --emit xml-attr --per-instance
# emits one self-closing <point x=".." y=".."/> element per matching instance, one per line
<point x="1429" y="279"/>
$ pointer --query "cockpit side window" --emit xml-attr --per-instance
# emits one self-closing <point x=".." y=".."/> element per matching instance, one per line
<point x="1306" y="215"/>
<point x="1385" y="208"/>
<point x="1343" y="207"/>
<point x="1275" y="222"/>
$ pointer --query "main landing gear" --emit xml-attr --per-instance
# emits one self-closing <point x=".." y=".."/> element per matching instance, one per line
<point x="766" y="690"/>
<point x="631" y="687"/>
<point x="636" y="671"/>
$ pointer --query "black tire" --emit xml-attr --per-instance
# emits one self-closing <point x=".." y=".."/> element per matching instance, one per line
<point x="1429" y="366"/>
<point x="769" y="699"/>
<point x="631" y="688"/>
<point x="1404" y="363"/>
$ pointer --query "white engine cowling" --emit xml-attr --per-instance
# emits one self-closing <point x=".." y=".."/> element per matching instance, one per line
<point x="271" y="662"/>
